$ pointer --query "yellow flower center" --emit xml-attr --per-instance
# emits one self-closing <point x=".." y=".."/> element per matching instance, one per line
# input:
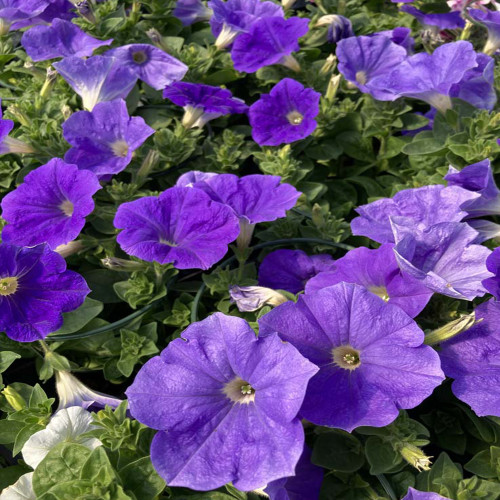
<point x="294" y="118"/>
<point x="380" y="291"/>
<point x="239" y="391"/>
<point x="8" y="286"/>
<point x="361" y="77"/>
<point x="67" y="208"/>
<point x="120" y="148"/>
<point x="346" y="357"/>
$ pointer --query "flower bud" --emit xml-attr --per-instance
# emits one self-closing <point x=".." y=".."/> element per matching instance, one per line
<point x="85" y="10"/>
<point x="49" y="82"/>
<point x="415" y="456"/>
<point x="333" y="87"/>
<point x="116" y="264"/>
<point x="451" y="329"/>
<point x="14" y="398"/>
<point x="252" y="298"/>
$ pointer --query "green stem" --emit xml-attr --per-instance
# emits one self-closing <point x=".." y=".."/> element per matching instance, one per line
<point x="387" y="487"/>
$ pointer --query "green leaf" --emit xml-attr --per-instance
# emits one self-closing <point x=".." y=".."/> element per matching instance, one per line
<point x="63" y="463"/>
<point x="486" y="463"/>
<point x="381" y="455"/>
<point x="98" y="468"/>
<point x="76" y="320"/>
<point x="423" y="147"/>
<point x="6" y="359"/>
<point x="9" y="429"/>
<point x="338" y="450"/>
<point x="141" y="479"/>
<point x="443" y="478"/>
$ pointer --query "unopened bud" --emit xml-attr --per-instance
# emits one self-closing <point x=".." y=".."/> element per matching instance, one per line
<point x="86" y="11"/>
<point x="155" y="36"/>
<point x="333" y="87"/>
<point x="70" y="248"/>
<point x="14" y="398"/>
<point x="116" y="264"/>
<point x="66" y="111"/>
<point x="49" y="82"/>
<point x="415" y="456"/>
<point x="329" y="65"/>
<point x="317" y="216"/>
<point x="149" y="163"/>
<point x="252" y="298"/>
<point x="451" y="329"/>
<point x="19" y="115"/>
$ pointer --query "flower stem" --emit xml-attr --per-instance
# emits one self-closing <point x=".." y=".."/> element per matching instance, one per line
<point x="387" y="487"/>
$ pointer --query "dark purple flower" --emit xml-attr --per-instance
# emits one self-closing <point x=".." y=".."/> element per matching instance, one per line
<point x="284" y="115"/>
<point x="150" y="64"/>
<point x="430" y="77"/>
<point x="400" y="36"/>
<point x="491" y="20"/>
<point x="414" y="494"/>
<point x="363" y="60"/>
<point x="191" y="11"/>
<point x="443" y="257"/>
<point x="339" y="27"/>
<point x="182" y="226"/>
<point x="304" y="485"/>
<point x="471" y="358"/>
<point x="425" y="206"/>
<point x="61" y="39"/>
<point x="291" y="269"/>
<point x="378" y="271"/>
<point x="477" y="178"/>
<point x="12" y="11"/>
<point x="104" y="139"/>
<point x="225" y="403"/>
<point x="445" y="21"/>
<point x="493" y="265"/>
<point x="50" y="206"/>
<point x="97" y="78"/>
<point x="270" y="40"/>
<point x="477" y="85"/>
<point x="35" y="289"/>
<point x="189" y="178"/>
<point x="203" y="103"/>
<point x="363" y="346"/>
<point x="233" y="17"/>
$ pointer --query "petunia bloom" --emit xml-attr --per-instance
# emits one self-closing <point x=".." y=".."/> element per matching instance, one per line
<point x="362" y="346"/>
<point x="150" y="64"/>
<point x="191" y="11"/>
<point x="414" y="494"/>
<point x="270" y="40"/>
<point x="97" y="78"/>
<point x="67" y="425"/>
<point x="491" y="20"/>
<point x="22" y="489"/>
<point x="492" y="284"/>
<point x="35" y="289"/>
<point x="225" y="403"/>
<point x="471" y="358"/>
<point x="182" y="226"/>
<point x="19" y="10"/>
<point x="339" y="27"/>
<point x="443" y="257"/>
<point x="291" y="269"/>
<point x="425" y="206"/>
<point x="400" y="36"/>
<point x="189" y="178"/>
<point x="232" y="17"/>
<point x="363" y="60"/>
<point x="284" y="115"/>
<point x="50" y="206"/>
<point x="60" y="39"/>
<point x="430" y="77"/>
<point x="377" y="270"/>
<point x="442" y="21"/>
<point x="104" y="139"/>
<point x="203" y="103"/>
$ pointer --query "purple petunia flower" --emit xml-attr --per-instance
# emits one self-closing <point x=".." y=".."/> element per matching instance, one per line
<point x="339" y="27"/>
<point x="305" y="484"/>
<point x="443" y="257"/>
<point x="270" y="40"/>
<point x="477" y="178"/>
<point x="378" y="271"/>
<point x="253" y="198"/>
<point x="232" y="17"/>
<point x="430" y="77"/>
<point x="35" y="289"/>
<point x="56" y="9"/>
<point x="471" y="358"/>
<point x="444" y="21"/>
<point x="284" y="115"/>
<point x="362" y="345"/>
<point x="104" y="139"/>
<point x="189" y="178"/>
<point x="491" y="20"/>
<point x="425" y="206"/>
<point x="191" y="11"/>
<point x="203" y="103"/>
<point x="61" y="39"/>
<point x="400" y="36"/>
<point x="97" y="78"/>
<point x="12" y="11"/>
<point x="182" y="226"/>
<point x="477" y="85"/>
<point x="493" y="265"/>
<point x="363" y="60"/>
<point x="291" y="269"/>
<point x="414" y="494"/>
<point x="225" y="404"/>
<point x="50" y="206"/>
<point x="150" y="64"/>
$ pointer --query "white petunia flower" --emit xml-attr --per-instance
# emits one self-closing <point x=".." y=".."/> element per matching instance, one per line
<point x="22" y="489"/>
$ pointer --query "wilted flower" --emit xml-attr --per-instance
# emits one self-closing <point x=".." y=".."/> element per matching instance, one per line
<point x="60" y="39"/>
<point x="72" y="392"/>
<point x="35" y="289"/>
<point x="363" y="60"/>
<point x="191" y="11"/>
<point x="232" y="17"/>
<point x="182" y="226"/>
<point x="339" y="27"/>
<point x="225" y="403"/>
<point x="284" y="115"/>
<point x="104" y="139"/>
<point x="491" y="20"/>
<point x="415" y="456"/>
<point x="378" y="271"/>
<point x="150" y="64"/>
<point x="291" y="269"/>
<point x="67" y="425"/>
<point x="50" y="206"/>
<point x="270" y="40"/>
<point x="362" y="345"/>
<point x="97" y="78"/>
<point x="436" y="22"/>
<point x="203" y="103"/>
<point x="252" y="298"/>
<point x="443" y="257"/>
<point x="471" y="359"/>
